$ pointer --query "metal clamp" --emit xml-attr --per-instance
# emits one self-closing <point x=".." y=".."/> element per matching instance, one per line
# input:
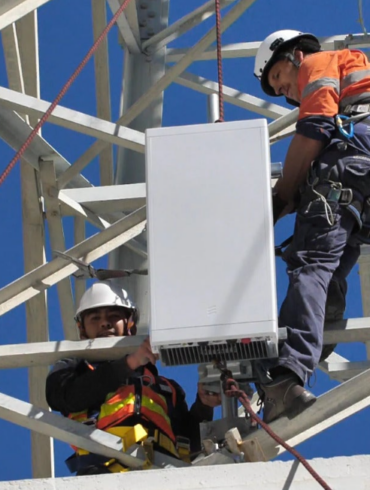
<point x="87" y="271"/>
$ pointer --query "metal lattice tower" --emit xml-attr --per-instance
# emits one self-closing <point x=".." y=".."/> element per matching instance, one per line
<point x="53" y="189"/>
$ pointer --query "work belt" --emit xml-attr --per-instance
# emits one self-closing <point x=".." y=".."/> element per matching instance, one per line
<point x="150" y="439"/>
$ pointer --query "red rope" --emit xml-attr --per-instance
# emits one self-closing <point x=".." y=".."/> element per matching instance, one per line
<point x="233" y="391"/>
<point x="62" y="92"/>
<point x="219" y="62"/>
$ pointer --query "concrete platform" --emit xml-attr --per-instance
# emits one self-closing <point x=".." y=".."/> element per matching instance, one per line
<point x="340" y="473"/>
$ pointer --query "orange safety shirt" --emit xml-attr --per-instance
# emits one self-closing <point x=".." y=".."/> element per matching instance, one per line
<point x="328" y="82"/>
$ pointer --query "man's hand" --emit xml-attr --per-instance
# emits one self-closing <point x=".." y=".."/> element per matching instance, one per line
<point x="207" y="398"/>
<point x="142" y="356"/>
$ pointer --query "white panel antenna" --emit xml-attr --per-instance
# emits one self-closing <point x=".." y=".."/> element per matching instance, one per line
<point x="211" y="249"/>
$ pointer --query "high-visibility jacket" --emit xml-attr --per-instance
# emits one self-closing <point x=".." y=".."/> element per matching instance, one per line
<point x="149" y="397"/>
<point x="104" y="395"/>
<point x="328" y="82"/>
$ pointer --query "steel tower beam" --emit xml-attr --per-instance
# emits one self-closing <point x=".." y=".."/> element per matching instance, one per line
<point x="42" y="448"/>
<point x="13" y="10"/>
<point x="46" y="353"/>
<point x="20" y="41"/>
<point x="242" y="50"/>
<point x="233" y="96"/>
<point x="329" y="409"/>
<point x="57" y="242"/>
<point x="156" y="90"/>
<point x="77" y="121"/>
<point x="64" y="429"/>
<point x="130" y="165"/>
<point x="58" y="269"/>
<point x="102" y="86"/>
<point x="127" y="25"/>
<point x="172" y="32"/>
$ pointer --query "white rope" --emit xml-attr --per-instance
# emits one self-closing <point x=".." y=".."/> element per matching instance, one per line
<point x="328" y="211"/>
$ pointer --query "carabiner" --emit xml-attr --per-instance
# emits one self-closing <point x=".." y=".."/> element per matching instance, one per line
<point x="338" y="121"/>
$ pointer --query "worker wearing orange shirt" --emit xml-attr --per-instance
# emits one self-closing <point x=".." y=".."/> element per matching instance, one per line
<point x="326" y="180"/>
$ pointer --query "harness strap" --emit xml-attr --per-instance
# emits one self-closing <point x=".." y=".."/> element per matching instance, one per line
<point x="356" y="109"/>
<point x="284" y="244"/>
<point x="138" y="396"/>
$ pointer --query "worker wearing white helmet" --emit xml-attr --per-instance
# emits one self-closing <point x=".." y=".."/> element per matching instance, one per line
<point x="108" y="297"/>
<point x="125" y="397"/>
<point x="277" y="46"/>
<point x="326" y="179"/>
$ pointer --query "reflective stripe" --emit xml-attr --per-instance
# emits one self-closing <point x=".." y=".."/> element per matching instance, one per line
<point x="120" y="406"/>
<point x="125" y="395"/>
<point x="117" y="412"/>
<point x="147" y="410"/>
<point x="149" y="399"/>
<point x="157" y="420"/>
<point x="321" y="82"/>
<point x="78" y="416"/>
<point x="354" y="77"/>
<point x="353" y="99"/>
<point x="109" y="410"/>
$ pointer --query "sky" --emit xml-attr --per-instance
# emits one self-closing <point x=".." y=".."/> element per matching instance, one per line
<point x="65" y="35"/>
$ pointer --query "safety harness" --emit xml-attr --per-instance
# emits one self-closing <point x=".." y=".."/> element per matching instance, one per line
<point x="334" y="192"/>
<point x="146" y="398"/>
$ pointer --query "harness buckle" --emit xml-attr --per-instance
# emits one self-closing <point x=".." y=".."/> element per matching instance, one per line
<point x="347" y="109"/>
<point x="346" y="197"/>
<point x="183" y="448"/>
<point x="356" y="108"/>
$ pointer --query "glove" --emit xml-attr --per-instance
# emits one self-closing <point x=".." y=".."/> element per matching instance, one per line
<point x="278" y="206"/>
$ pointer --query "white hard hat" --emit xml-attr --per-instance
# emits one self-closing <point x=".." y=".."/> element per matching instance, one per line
<point x="269" y="51"/>
<point x="104" y="293"/>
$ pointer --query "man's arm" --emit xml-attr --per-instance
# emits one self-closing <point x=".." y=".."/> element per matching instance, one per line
<point x="186" y="422"/>
<point x="302" y="151"/>
<point x="74" y="385"/>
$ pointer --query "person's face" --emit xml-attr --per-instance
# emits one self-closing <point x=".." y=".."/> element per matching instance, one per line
<point x="108" y="321"/>
<point x="283" y="78"/>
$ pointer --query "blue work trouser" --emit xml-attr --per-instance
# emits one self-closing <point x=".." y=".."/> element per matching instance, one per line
<point x="312" y="259"/>
<point x="336" y="297"/>
<point x="318" y="253"/>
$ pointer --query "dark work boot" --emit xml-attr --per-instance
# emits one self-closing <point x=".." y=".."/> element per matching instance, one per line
<point x="285" y="396"/>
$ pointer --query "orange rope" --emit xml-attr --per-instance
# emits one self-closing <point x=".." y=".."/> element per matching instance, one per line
<point x="219" y="62"/>
<point x="232" y="390"/>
